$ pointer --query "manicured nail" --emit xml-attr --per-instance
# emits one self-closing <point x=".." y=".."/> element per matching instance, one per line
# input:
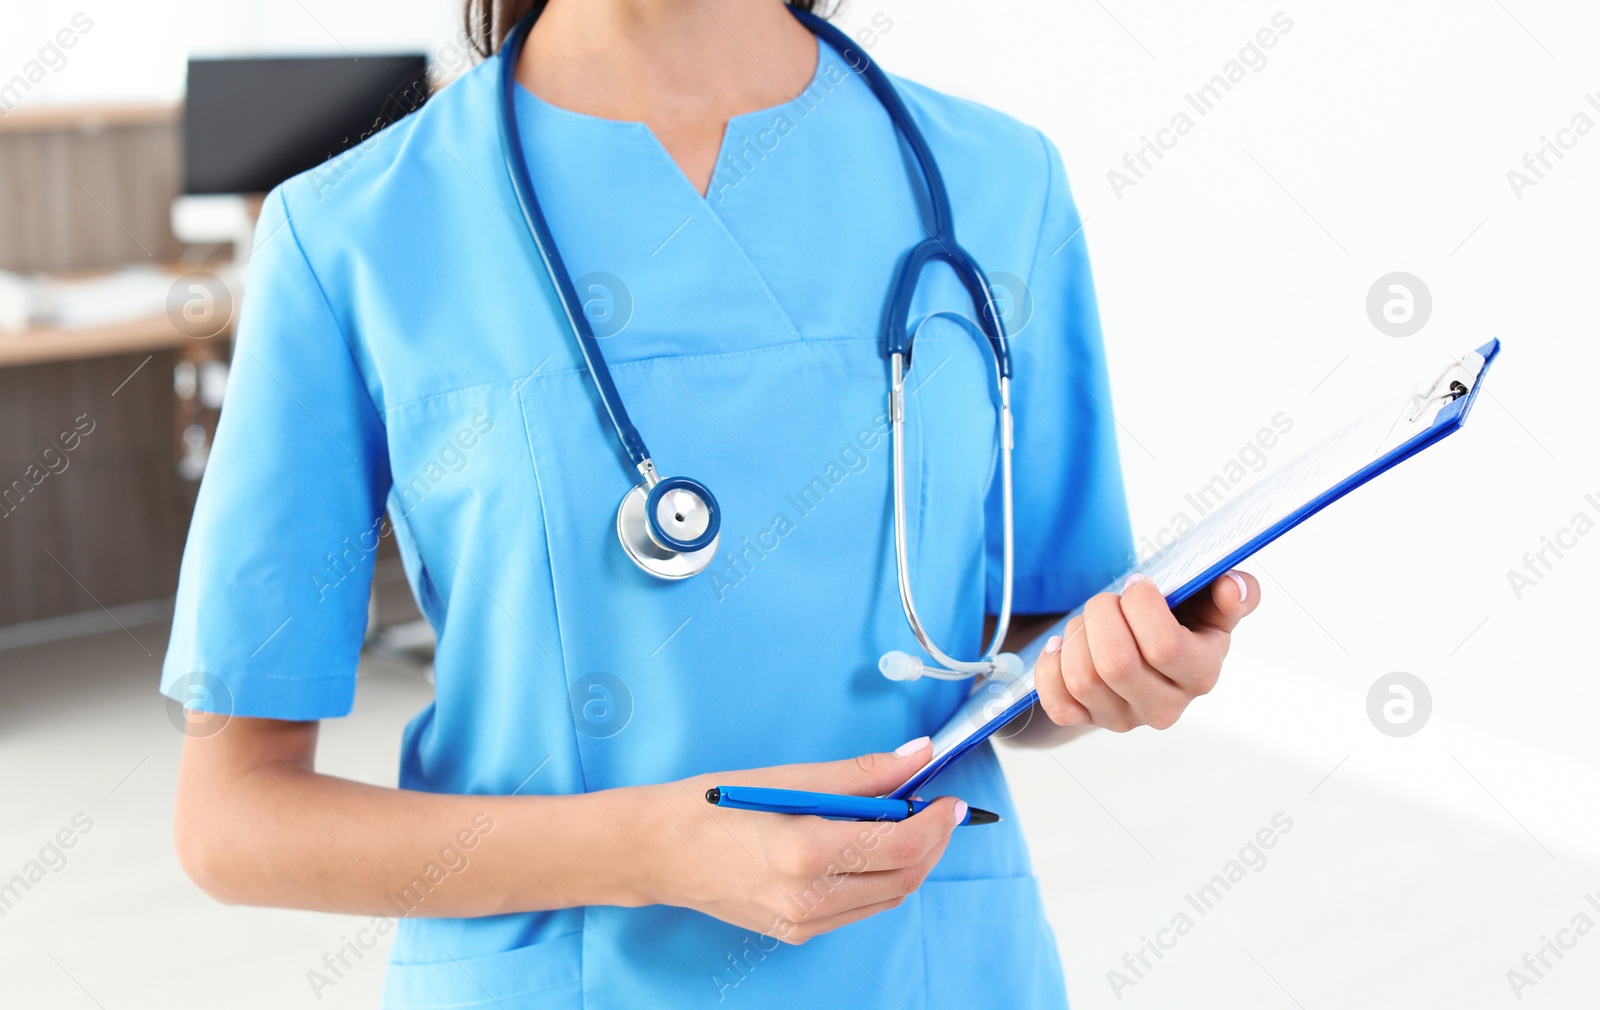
<point x="910" y="747"/>
<point x="1244" y="587"/>
<point x="961" y="811"/>
<point x="1053" y="646"/>
<point x="1133" y="580"/>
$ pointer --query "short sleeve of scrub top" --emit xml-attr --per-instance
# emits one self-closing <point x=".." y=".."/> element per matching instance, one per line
<point x="272" y="606"/>
<point x="1072" y="531"/>
<point x="402" y="354"/>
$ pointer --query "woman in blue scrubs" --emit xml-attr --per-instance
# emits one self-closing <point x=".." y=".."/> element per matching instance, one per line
<point x="732" y="201"/>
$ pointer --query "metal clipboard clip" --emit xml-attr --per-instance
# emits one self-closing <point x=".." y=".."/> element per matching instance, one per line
<point x="1453" y="382"/>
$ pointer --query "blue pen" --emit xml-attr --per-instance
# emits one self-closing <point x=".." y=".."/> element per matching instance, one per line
<point x="841" y="808"/>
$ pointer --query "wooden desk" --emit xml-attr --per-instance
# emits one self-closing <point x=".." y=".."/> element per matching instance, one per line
<point x="40" y="345"/>
<point x="37" y="346"/>
<point x="89" y="118"/>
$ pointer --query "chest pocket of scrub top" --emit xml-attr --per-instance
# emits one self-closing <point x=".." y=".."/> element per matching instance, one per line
<point x="770" y="655"/>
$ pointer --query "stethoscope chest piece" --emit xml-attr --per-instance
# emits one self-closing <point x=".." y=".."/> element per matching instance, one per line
<point x="671" y="529"/>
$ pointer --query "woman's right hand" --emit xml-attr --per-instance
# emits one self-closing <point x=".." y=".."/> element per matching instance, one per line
<point x="789" y="877"/>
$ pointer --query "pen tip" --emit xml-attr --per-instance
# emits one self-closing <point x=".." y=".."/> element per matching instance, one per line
<point x="713" y="795"/>
<point x="976" y="816"/>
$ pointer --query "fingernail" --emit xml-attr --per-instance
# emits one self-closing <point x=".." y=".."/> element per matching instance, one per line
<point x="1244" y="587"/>
<point x="960" y="811"/>
<point x="1053" y="646"/>
<point x="910" y="747"/>
<point x="1132" y="580"/>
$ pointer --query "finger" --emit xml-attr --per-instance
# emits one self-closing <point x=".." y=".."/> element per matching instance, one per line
<point x="1188" y="659"/>
<point x="1058" y="704"/>
<point x="1230" y="598"/>
<point x="905" y="853"/>
<point x="790" y="931"/>
<point x="866" y="775"/>
<point x="862" y="895"/>
<point x="1106" y="708"/>
<point x="1154" y="700"/>
<point x="866" y="847"/>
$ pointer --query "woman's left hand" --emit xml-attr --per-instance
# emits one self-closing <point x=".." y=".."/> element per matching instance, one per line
<point x="1129" y="661"/>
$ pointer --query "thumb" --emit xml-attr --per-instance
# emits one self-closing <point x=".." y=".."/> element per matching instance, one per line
<point x="866" y="775"/>
<point x="1222" y="605"/>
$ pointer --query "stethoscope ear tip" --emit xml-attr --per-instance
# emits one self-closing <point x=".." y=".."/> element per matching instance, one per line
<point x="900" y="666"/>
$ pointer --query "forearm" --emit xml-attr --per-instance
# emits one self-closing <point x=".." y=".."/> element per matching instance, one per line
<point x="265" y="829"/>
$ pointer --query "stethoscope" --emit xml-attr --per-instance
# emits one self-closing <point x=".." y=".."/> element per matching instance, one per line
<point x="669" y="526"/>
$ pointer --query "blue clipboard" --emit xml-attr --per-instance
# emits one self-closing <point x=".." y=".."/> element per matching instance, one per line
<point x="993" y="705"/>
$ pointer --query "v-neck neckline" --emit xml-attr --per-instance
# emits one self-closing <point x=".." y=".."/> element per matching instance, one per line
<point x="639" y="126"/>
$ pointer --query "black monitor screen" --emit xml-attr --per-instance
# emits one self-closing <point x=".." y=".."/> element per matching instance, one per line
<point x="249" y="124"/>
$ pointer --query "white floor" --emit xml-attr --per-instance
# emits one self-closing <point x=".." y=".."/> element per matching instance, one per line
<point x="1363" y="901"/>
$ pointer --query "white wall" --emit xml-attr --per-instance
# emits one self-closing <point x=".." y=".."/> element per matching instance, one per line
<point x="1233" y="282"/>
<point x="136" y="49"/>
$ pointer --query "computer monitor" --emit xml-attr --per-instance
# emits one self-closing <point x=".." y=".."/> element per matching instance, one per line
<point x="251" y="123"/>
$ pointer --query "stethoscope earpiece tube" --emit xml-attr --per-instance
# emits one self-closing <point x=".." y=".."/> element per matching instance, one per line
<point x="898" y="344"/>
<point x="898" y="339"/>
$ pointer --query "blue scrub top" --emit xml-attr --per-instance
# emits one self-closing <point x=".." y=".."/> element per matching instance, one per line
<point x="402" y="352"/>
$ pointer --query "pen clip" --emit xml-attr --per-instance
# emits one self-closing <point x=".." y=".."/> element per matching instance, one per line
<point x="1453" y="392"/>
<point x="1450" y="385"/>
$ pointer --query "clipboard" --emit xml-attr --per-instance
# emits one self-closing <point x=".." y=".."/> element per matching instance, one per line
<point x="1286" y="497"/>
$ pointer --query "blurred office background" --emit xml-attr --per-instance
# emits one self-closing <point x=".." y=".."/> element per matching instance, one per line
<point x="1236" y="263"/>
